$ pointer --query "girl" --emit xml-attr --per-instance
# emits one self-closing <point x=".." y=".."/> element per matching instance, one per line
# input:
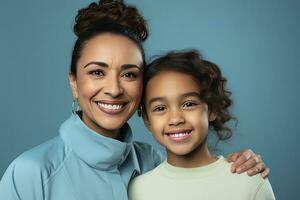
<point x="184" y="97"/>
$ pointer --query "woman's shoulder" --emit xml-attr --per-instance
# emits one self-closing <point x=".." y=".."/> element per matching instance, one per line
<point x="43" y="159"/>
<point x="28" y="174"/>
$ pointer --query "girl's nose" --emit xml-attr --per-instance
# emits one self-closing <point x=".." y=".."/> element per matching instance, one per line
<point x="176" y="118"/>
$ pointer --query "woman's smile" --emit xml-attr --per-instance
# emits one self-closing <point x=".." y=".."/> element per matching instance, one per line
<point x="112" y="107"/>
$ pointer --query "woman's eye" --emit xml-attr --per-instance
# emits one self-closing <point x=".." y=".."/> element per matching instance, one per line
<point x="130" y="75"/>
<point x="97" y="73"/>
<point x="159" y="109"/>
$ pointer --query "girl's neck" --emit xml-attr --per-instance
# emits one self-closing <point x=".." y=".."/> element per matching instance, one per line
<point x="199" y="157"/>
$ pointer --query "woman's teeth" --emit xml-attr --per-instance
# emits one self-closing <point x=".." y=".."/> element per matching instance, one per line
<point x="110" y="106"/>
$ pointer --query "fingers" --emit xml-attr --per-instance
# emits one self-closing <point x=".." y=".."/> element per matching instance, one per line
<point x="240" y="158"/>
<point x="251" y="165"/>
<point x="258" y="168"/>
<point x="247" y="160"/>
<point x="243" y="158"/>
<point x="233" y="157"/>
<point x="247" y="165"/>
<point x="265" y="173"/>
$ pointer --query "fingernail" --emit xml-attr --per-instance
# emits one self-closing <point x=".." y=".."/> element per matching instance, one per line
<point x="232" y="170"/>
<point x="238" y="170"/>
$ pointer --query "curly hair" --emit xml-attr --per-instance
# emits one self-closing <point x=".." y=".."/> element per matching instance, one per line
<point x="112" y="16"/>
<point x="210" y="79"/>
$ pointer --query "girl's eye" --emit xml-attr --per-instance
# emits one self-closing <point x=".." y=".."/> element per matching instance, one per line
<point x="129" y="75"/>
<point x="188" y="104"/>
<point x="159" y="109"/>
<point x="97" y="73"/>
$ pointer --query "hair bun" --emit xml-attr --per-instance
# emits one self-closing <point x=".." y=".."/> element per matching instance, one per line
<point x="110" y="11"/>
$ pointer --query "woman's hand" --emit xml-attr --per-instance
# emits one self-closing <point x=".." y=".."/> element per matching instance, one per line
<point x="247" y="161"/>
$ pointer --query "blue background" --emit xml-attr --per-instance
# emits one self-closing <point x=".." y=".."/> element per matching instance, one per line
<point x="256" y="43"/>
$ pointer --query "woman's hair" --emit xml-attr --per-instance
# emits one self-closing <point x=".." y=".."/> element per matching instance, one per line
<point x="112" y="16"/>
<point x="210" y="79"/>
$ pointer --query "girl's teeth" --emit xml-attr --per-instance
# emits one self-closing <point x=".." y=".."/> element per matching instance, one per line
<point x="178" y="135"/>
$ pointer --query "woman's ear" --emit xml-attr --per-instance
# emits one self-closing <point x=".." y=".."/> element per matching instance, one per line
<point x="73" y="85"/>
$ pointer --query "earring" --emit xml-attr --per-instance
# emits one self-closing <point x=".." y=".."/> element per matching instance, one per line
<point x="139" y="111"/>
<point x="75" y="106"/>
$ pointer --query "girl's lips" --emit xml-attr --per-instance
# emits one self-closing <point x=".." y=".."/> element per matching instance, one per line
<point x="111" y="107"/>
<point x="178" y="135"/>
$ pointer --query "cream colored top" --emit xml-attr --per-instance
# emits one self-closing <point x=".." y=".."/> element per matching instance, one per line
<point x="210" y="182"/>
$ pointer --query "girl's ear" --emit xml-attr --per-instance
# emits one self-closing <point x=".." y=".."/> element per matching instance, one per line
<point x="146" y="120"/>
<point x="73" y="84"/>
<point x="212" y="116"/>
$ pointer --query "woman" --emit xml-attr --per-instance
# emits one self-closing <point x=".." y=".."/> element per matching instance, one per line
<point x="94" y="156"/>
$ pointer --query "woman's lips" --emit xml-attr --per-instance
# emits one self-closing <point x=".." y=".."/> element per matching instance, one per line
<point x="178" y="135"/>
<point x="111" y="107"/>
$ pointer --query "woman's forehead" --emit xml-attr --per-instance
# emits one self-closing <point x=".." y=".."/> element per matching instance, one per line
<point x="112" y="49"/>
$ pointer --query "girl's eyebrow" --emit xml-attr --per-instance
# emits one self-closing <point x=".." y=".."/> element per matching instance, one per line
<point x="190" y="94"/>
<point x="155" y="99"/>
<point x="182" y="96"/>
<point x="123" y="67"/>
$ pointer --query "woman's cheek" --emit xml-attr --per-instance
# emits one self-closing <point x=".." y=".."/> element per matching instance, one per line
<point x="136" y="90"/>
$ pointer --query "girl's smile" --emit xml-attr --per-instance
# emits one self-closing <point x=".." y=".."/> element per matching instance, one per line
<point x="180" y="135"/>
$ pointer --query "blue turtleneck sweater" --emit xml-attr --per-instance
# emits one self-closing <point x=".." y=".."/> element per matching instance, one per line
<point x="79" y="164"/>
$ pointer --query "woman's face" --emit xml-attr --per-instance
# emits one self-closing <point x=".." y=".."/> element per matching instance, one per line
<point x="108" y="84"/>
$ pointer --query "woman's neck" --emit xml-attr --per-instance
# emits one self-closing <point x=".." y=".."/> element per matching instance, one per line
<point x="115" y="134"/>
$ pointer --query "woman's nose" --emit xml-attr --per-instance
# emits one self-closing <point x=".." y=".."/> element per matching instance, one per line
<point x="113" y="87"/>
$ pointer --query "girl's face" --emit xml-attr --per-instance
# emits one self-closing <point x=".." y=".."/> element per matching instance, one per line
<point x="108" y="84"/>
<point x="176" y="115"/>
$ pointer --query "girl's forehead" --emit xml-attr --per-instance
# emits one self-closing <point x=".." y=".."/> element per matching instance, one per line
<point x="170" y="83"/>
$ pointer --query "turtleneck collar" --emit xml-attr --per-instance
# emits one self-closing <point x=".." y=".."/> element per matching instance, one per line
<point x="95" y="149"/>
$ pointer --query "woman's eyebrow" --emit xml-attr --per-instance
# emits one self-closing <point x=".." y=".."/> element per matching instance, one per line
<point x="128" y="66"/>
<point x="101" y="64"/>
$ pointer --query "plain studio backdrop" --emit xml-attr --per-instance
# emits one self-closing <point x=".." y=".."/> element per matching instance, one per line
<point x="256" y="43"/>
